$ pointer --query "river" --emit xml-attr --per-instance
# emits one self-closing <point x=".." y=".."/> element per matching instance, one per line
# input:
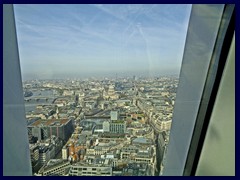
<point x="31" y="104"/>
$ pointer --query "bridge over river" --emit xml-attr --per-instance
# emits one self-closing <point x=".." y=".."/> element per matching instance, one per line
<point x="49" y="99"/>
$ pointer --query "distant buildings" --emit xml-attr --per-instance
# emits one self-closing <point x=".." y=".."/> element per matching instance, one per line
<point x="110" y="93"/>
<point x="106" y="131"/>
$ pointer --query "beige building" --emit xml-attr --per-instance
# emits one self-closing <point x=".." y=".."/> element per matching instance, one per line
<point x="110" y="94"/>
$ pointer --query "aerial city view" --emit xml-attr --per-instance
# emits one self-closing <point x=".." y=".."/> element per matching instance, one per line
<point x="99" y="127"/>
<point x="99" y="83"/>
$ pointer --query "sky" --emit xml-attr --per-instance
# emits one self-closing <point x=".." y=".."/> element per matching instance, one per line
<point x="57" y="41"/>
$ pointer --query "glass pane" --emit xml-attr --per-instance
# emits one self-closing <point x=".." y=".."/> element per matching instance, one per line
<point x="99" y="85"/>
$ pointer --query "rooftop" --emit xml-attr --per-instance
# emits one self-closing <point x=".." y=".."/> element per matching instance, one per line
<point x="50" y="122"/>
<point x="142" y="140"/>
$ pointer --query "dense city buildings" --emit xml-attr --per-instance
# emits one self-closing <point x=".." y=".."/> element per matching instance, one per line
<point x="99" y="127"/>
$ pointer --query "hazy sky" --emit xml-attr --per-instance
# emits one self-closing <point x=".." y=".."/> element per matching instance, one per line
<point x="87" y="40"/>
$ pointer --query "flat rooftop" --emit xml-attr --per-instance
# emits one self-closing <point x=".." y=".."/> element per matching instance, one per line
<point x="50" y="122"/>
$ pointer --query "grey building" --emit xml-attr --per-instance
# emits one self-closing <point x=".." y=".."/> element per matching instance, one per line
<point x="118" y="127"/>
<point x="55" y="167"/>
<point x="101" y="168"/>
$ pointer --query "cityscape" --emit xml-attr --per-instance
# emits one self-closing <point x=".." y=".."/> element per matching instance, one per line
<point x="99" y="127"/>
<point x="119" y="90"/>
<point x="99" y="84"/>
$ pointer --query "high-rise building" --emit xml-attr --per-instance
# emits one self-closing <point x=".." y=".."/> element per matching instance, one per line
<point x="114" y="115"/>
<point x="65" y="153"/>
<point x="118" y="127"/>
<point x="43" y="129"/>
<point x="106" y="126"/>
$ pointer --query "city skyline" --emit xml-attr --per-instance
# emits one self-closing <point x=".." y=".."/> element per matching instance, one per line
<point x="99" y="127"/>
<point x="57" y="41"/>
